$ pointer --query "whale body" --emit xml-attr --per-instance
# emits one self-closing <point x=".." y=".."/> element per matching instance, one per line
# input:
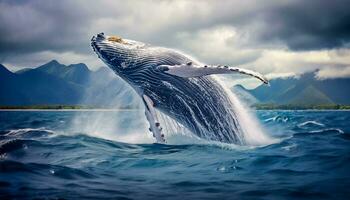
<point x="176" y="85"/>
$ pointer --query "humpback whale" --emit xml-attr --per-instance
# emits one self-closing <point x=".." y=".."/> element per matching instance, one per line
<point x="176" y="85"/>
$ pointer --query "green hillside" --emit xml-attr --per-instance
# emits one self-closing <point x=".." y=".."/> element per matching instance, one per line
<point x="303" y="90"/>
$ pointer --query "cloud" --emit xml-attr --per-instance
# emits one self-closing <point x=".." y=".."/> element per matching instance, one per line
<point x="218" y="45"/>
<point x="308" y="25"/>
<point x="272" y="37"/>
<point x="333" y="72"/>
<point x="33" y="26"/>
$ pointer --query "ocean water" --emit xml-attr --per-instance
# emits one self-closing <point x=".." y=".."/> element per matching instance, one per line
<point x="110" y="154"/>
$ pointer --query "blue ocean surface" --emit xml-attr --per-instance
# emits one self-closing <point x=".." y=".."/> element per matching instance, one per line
<point x="110" y="154"/>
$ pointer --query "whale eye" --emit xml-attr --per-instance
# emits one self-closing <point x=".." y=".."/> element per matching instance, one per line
<point x="115" y="39"/>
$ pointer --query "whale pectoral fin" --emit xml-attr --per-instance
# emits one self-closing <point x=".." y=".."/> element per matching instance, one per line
<point x="192" y="70"/>
<point x="152" y="118"/>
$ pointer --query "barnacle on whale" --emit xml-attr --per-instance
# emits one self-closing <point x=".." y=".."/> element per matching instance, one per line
<point x="116" y="39"/>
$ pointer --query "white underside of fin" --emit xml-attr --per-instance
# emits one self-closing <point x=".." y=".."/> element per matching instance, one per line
<point x="193" y="70"/>
<point x="152" y="118"/>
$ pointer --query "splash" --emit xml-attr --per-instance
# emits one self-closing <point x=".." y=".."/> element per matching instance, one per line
<point x="252" y="132"/>
<point x="131" y="126"/>
<point x="115" y="123"/>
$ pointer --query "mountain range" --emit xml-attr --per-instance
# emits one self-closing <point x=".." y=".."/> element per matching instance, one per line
<point x="305" y="89"/>
<point x="56" y="84"/>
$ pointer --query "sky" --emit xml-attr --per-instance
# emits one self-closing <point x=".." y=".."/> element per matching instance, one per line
<point x="276" y="38"/>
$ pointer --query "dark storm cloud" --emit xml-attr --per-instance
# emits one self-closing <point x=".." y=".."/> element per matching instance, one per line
<point x="31" y="26"/>
<point x="309" y="25"/>
<point x="297" y="24"/>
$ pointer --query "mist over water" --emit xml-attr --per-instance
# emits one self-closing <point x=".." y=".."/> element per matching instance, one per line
<point x="123" y="127"/>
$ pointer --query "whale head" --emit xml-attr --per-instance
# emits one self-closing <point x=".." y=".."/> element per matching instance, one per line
<point x="115" y="51"/>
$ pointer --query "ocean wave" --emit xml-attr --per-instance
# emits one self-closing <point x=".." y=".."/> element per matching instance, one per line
<point x="36" y="132"/>
<point x="8" y="166"/>
<point x="290" y="172"/>
<point x="328" y="130"/>
<point x="310" y="123"/>
<point x="277" y="118"/>
<point x="289" y="147"/>
<point x="7" y="146"/>
<point x="72" y="164"/>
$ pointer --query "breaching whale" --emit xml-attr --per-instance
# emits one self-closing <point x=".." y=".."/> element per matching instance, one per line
<point x="176" y="85"/>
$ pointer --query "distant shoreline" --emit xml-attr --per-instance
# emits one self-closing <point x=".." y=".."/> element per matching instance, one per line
<point x="300" y="107"/>
<point x="64" y="107"/>
<point x="73" y="110"/>
<point x="92" y="108"/>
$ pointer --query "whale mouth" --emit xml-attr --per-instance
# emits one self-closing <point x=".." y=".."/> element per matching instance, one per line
<point x="97" y="41"/>
<point x="94" y="40"/>
<point x="112" y="50"/>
